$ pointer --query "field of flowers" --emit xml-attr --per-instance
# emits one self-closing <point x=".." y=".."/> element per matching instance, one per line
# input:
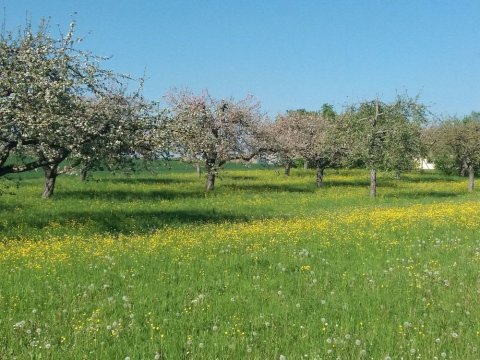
<point x="148" y="266"/>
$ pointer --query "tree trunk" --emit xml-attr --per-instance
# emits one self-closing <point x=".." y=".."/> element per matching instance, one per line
<point x="83" y="174"/>
<point x="305" y="164"/>
<point x="398" y="174"/>
<point x="320" y="176"/>
<point x="464" y="169"/>
<point x="471" y="178"/>
<point x="287" y="168"/>
<point x="210" y="167"/>
<point x="211" y="180"/>
<point x="50" y="178"/>
<point x="199" y="170"/>
<point x="373" y="183"/>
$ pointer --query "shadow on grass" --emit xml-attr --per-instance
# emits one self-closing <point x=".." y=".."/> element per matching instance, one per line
<point x="139" y="222"/>
<point x="340" y="183"/>
<point x="127" y="195"/>
<point x="5" y="207"/>
<point x="426" y="178"/>
<point x="146" y="181"/>
<point x="360" y="183"/>
<point x="422" y="194"/>
<point x="238" y="177"/>
<point x="272" y="188"/>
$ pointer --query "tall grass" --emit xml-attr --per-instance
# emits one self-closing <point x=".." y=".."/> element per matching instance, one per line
<point x="149" y="266"/>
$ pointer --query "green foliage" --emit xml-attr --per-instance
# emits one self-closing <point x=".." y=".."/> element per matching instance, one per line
<point x="456" y="144"/>
<point x="384" y="136"/>
<point x="328" y="112"/>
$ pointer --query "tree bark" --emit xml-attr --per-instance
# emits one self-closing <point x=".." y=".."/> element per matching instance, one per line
<point x="471" y="178"/>
<point x="199" y="170"/>
<point x="210" y="180"/>
<point x="287" y="168"/>
<point x="19" y="168"/>
<point x="83" y="174"/>
<point x="210" y="167"/>
<point x="305" y="164"/>
<point x="51" y="173"/>
<point x="373" y="183"/>
<point x="464" y="169"/>
<point x="320" y="176"/>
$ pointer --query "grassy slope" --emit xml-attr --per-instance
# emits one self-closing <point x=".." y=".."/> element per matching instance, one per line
<point x="149" y="264"/>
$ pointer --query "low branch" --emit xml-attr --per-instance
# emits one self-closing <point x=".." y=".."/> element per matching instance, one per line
<point x="14" y="169"/>
<point x="253" y="154"/>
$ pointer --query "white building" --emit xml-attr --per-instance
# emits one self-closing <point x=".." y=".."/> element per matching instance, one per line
<point x="423" y="164"/>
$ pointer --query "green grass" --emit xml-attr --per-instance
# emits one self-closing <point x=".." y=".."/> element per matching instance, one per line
<point x="148" y="264"/>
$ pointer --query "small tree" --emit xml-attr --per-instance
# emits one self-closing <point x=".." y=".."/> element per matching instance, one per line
<point x="309" y="135"/>
<point x="384" y="136"/>
<point x="213" y="131"/>
<point x="282" y="137"/>
<point x="456" y="145"/>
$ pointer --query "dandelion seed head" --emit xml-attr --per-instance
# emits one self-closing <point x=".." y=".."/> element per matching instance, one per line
<point x="19" y="325"/>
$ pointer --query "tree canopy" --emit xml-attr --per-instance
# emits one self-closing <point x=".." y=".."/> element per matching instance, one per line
<point x="213" y="131"/>
<point x="57" y="101"/>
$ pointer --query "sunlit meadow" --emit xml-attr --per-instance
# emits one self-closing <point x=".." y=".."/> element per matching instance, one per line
<point x="148" y="266"/>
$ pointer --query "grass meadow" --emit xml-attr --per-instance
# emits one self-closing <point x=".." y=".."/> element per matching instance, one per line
<point x="149" y="266"/>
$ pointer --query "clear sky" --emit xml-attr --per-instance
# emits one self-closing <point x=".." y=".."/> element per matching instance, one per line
<point x="289" y="54"/>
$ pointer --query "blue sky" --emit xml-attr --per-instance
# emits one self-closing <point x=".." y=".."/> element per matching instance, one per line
<point x="289" y="54"/>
